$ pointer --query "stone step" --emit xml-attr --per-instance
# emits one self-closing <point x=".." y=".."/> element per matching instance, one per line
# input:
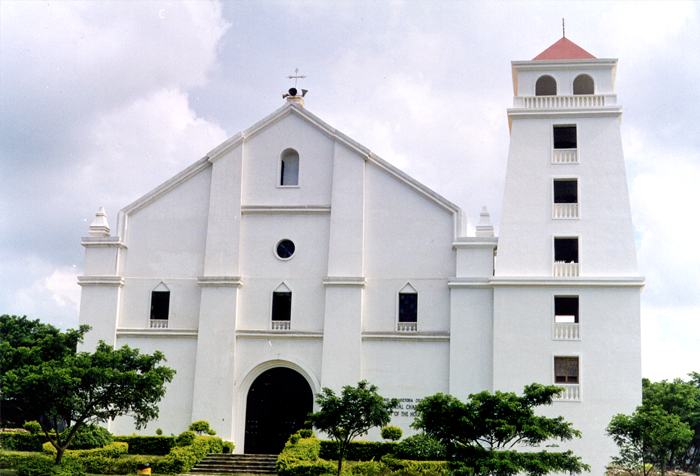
<point x="231" y="464"/>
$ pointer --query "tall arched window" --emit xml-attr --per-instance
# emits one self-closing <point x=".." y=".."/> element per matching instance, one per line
<point x="546" y="86"/>
<point x="289" y="168"/>
<point x="583" y="84"/>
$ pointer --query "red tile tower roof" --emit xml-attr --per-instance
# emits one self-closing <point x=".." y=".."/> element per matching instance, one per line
<point x="564" y="49"/>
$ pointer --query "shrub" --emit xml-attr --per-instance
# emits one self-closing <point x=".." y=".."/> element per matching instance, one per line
<point x="298" y="450"/>
<point x="408" y="467"/>
<point x="32" y="427"/>
<point x="228" y="447"/>
<point x="88" y="437"/>
<point x="181" y="459"/>
<point x="420" y="447"/>
<point x="159" y="432"/>
<point x="392" y="433"/>
<point x="148" y="445"/>
<point x="201" y="427"/>
<point x="185" y="438"/>
<point x="369" y="468"/>
<point x="113" y="450"/>
<point x="43" y="466"/>
<point x="358" y="450"/>
<point x="306" y="433"/>
<point x="12" y="441"/>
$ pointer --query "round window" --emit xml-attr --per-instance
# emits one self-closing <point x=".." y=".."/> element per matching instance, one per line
<point x="285" y="249"/>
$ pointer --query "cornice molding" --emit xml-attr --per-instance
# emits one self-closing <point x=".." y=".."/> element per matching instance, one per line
<point x="103" y="242"/>
<point x="268" y="334"/>
<point x="283" y="210"/>
<point x="179" y="333"/>
<point x="220" y="281"/>
<point x="101" y="281"/>
<point x="603" y="281"/>
<point x="360" y="281"/>
<point x="407" y="336"/>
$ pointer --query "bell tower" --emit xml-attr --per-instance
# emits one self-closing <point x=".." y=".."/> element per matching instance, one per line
<point x="566" y="284"/>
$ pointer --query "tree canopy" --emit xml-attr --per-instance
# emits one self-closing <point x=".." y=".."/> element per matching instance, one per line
<point x="353" y="414"/>
<point x="483" y="434"/>
<point x="52" y="383"/>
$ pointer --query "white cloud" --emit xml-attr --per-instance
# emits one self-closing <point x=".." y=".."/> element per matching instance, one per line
<point x="670" y="342"/>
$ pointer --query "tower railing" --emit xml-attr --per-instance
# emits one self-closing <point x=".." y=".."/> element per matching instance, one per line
<point x="562" y="268"/>
<point x="281" y="325"/>
<point x="558" y="102"/>
<point x="565" y="210"/>
<point x="407" y="326"/>
<point x="565" y="156"/>
<point x="571" y="393"/>
<point x="566" y="331"/>
<point x="159" y="323"/>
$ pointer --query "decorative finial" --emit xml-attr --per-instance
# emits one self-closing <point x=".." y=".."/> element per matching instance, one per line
<point x="293" y="95"/>
<point x="99" y="226"/>
<point x="484" y="227"/>
<point x="563" y="28"/>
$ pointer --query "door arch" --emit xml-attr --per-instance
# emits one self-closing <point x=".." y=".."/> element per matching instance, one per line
<point x="277" y="405"/>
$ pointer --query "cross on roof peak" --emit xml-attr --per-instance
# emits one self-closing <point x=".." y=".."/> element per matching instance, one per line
<point x="296" y="77"/>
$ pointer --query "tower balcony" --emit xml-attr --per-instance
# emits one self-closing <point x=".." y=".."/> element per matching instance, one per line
<point x="565" y="102"/>
<point x="564" y="269"/>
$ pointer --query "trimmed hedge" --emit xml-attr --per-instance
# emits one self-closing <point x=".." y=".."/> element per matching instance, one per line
<point x="113" y="450"/>
<point x="181" y="459"/>
<point x="148" y="445"/>
<point x="428" y="468"/>
<point x="12" y="441"/>
<point x="38" y="466"/>
<point x="300" y="457"/>
<point x="358" y="450"/>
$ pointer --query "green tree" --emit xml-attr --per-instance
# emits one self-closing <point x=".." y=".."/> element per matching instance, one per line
<point x="481" y="435"/>
<point x="201" y="427"/>
<point x="50" y="382"/>
<point x="650" y="436"/>
<point x="682" y="399"/>
<point x="353" y="414"/>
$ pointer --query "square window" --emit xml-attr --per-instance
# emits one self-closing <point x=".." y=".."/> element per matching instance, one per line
<point x="566" y="309"/>
<point x="408" y="307"/>
<point x="566" y="250"/>
<point x="281" y="306"/>
<point x="564" y="137"/>
<point x="566" y="370"/>
<point x="566" y="191"/>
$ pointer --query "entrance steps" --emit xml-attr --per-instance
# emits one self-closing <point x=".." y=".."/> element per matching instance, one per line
<point x="227" y="463"/>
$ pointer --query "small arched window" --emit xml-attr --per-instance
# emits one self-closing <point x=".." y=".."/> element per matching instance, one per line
<point x="583" y="84"/>
<point x="546" y="86"/>
<point x="289" y="168"/>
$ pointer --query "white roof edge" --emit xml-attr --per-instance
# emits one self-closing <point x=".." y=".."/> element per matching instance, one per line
<point x="166" y="186"/>
<point x="544" y="64"/>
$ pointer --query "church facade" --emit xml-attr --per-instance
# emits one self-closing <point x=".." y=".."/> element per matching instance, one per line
<point x="292" y="258"/>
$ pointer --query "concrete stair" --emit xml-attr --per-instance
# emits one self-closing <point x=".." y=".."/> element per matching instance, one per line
<point x="227" y="463"/>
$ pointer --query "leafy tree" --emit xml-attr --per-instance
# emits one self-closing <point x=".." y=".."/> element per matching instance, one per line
<point x="481" y="434"/>
<point x="50" y="382"/>
<point x="201" y="427"/>
<point x="682" y="399"/>
<point x="650" y="436"/>
<point x="353" y="414"/>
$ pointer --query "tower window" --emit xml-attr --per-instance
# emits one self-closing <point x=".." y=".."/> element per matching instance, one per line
<point x="566" y="370"/>
<point x="546" y="86"/>
<point x="281" y="306"/>
<point x="160" y="306"/>
<point x="408" y="307"/>
<point x="564" y="137"/>
<point x="289" y="168"/>
<point x="583" y="84"/>
<point x="566" y="191"/>
<point x="566" y="309"/>
<point x="566" y="250"/>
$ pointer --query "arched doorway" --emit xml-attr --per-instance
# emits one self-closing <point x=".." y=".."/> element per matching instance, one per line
<point x="277" y="405"/>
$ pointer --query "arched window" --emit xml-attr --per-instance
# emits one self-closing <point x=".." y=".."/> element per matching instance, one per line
<point x="583" y="84"/>
<point x="160" y="307"/>
<point x="546" y="86"/>
<point x="289" y="168"/>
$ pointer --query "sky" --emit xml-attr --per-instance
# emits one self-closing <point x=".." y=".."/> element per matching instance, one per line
<point x="100" y="102"/>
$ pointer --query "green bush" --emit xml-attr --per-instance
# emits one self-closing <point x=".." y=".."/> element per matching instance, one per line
<point x="32" y="427"/>
<point x="181" y="459"/>
<point x="392" y="433"/>
<point x="202" y="427"/>
<point x="12" y="441"/>
<point x="88" y="437"/>
<point x="310" y="468"/>
<point x="306" y="433"/>
<point x="228" y="447"/>
<point x="148" y="445"/>
<point x="185" y="438"/>
<point x="102" y="465"/>
<point x="358" y="450"/>
<point x="369" y="468"/>
<point x="43" y="466"/>
<point x="415" y="468"/>
<point x="159" y="432"/>
<point x="420" y="447"/>
<point x="113" y="450"/>
<point x="298" y="450"/>
<point x="11" y="459"/>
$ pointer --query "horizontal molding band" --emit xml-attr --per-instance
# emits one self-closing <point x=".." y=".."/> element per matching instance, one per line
<point x="101" y="281"/>
<point x="292" y="209"/>
<point x="344" y="281"/>
<point x="267" y="334"/>
<point x="220" y="281"/>
<point x="406" y="336"/>
<point x="631" y="281"/>
<point x="103" y="242"/>
<point x="127" y="332"/>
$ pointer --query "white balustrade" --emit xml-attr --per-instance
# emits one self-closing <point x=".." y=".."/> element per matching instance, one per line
<point x="571" y="393"/>
<point x="281" y="325"/>
<point x="565" y="210"/>
<point x="562" y="268"/>
<point x="554" y="102"/>
<point x="567" y="331"/>
<point x="407" y="326"/>
<point x="565" y="156"/>
<point x="159" y="323"/>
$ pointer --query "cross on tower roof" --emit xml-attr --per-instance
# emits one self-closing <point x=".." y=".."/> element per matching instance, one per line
<point x="296" y="77"/>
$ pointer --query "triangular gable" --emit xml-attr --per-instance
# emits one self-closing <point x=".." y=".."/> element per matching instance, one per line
<point x="564" y="49"/>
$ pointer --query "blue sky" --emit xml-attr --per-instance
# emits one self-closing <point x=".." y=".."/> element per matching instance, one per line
<point x="103" y="101"/>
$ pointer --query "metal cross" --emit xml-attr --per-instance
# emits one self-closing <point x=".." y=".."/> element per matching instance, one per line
<point x="296" y="77"/>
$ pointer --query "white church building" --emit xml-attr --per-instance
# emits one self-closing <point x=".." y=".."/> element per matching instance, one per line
<point x="291" y="258"/>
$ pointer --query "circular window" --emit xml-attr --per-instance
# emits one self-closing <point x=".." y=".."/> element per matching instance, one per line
<point x="285" y="249"/>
